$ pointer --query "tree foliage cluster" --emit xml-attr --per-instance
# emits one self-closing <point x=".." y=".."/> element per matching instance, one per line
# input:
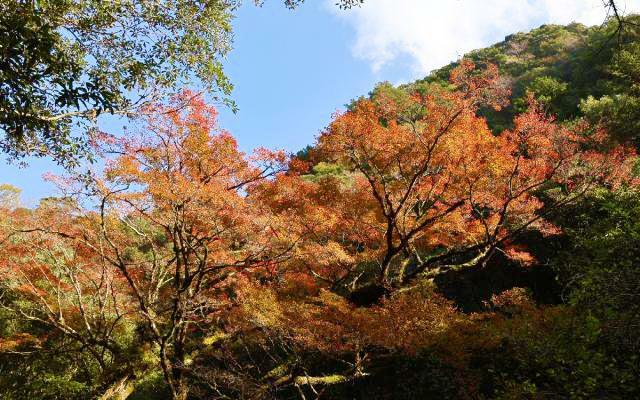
<point x="577" y="71"/>
<point x="66" y="62"/>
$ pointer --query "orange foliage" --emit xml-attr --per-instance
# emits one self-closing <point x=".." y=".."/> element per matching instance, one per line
<point x="426" y="173"/>
<point x="184" y="232"/>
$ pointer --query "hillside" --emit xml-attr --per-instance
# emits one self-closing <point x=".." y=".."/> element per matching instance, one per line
<point x="575" y="70"/>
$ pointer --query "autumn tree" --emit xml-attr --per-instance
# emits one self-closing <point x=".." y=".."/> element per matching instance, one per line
<point x="428" y="188"/>
<point x="172" y="232"/>
<point x="65" y="300"/>
<point x="400" y="189"/>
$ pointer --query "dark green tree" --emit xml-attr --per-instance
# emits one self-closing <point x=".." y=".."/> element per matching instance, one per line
<point x="64" y="62"/>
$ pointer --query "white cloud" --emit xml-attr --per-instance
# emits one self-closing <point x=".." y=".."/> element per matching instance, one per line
<point x="433" y="33"/>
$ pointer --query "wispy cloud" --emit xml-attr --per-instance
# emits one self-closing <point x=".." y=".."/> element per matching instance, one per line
<point x="433" y="33"/>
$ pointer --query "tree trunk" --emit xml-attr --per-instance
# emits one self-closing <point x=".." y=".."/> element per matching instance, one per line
<point x="181" y="391"/>
<point x="120" y="390"/>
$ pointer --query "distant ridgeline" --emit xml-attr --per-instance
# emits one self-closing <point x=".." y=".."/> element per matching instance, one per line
<point x="576" y="71"/>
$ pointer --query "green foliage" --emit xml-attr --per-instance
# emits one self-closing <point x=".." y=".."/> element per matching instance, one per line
<point x="547" y="90"/>
<point x="588" y="348"/>
<point x="46" y="376"/>
<point x="41" y="77"/>
<point x="619" y="110"/>
<point x="66" y="61"/>
<point x="564" y="65"/>
<point x="601" y="265"/>
<point x="620" y="114"/>
<point x="324" y="170"/>
<point x="558" y="354"/>
<point x="150" y="386"/>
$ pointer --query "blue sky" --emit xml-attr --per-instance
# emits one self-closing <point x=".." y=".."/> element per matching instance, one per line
<point x="293" y="69"/>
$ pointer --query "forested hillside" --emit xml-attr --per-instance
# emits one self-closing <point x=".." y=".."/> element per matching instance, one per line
<point x="575" y="70"/>
<point x="472" y="235"/>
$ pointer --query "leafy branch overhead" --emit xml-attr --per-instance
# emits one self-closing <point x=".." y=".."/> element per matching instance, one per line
<point x="67" y="62"/>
